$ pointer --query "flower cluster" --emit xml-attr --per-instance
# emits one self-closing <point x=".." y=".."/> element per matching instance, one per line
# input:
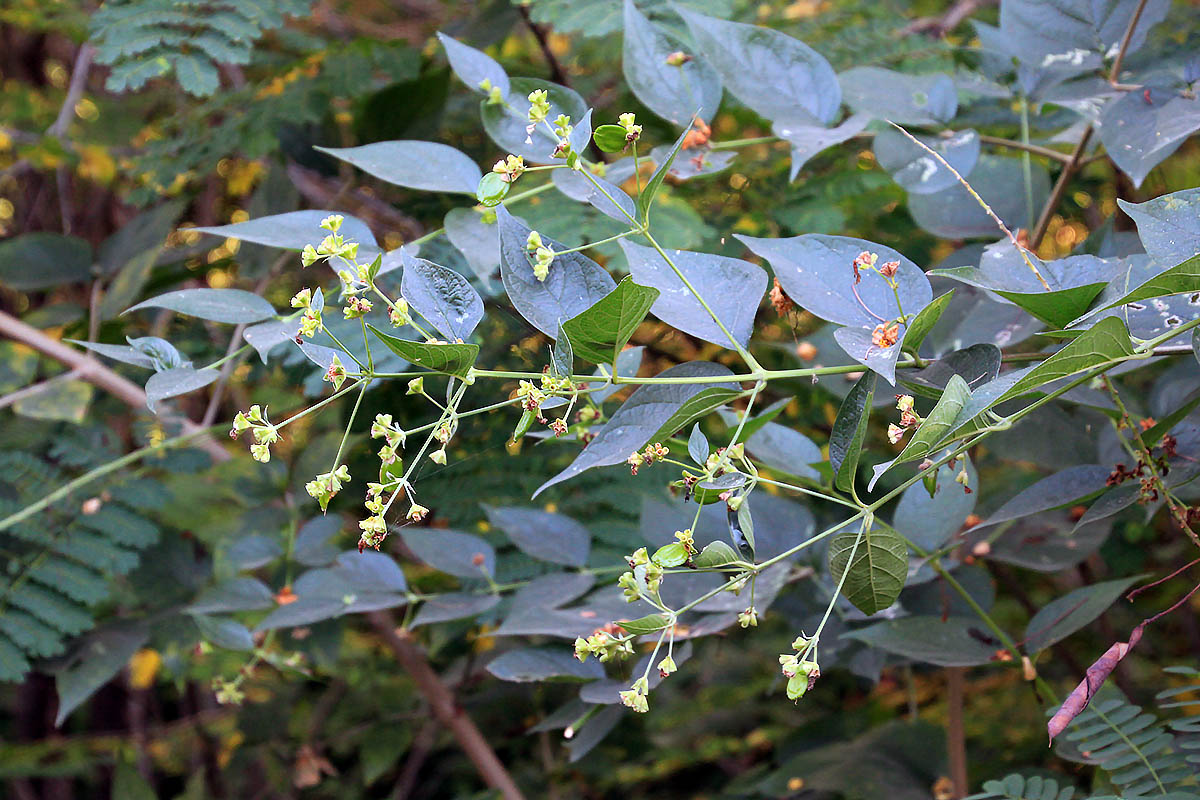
<point x="510" y="168"/>
<point x="865" y="261"/>
<point x="310" y="320"/>
<point x="604" y="645"/>
<point x="332" y="246"/>
<point x="633" y="131"/>
<point x="539" y="107"/>
<point x="494" y="96"/>
<point x="335" y="373"/>
<point x="543" y="256"/>
<point x="645" y="571"/>
<point x="653" y="452"/>
<point x="562" y="131"/>
<point x="635" y="696"/>
<point x="801" y="674"/>
<point x="398" y="313"/>
<point x="885" y="334"/>
<point x="326" y="485"/>
<point x="356" y="307"/>
<point x="678" y="552"/>
<point x="263" y="432"/>
<point x="748" y="618"/>
<point x="908" y="418"/>
<point x="531" y="396"/>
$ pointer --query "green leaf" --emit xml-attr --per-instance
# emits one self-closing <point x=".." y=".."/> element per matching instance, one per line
<point x="562" y="355"/>
<point x="574" y="284"/>
<point x="601" y="332"/>
<point x="647" y="624"/>
<point x="177" y="381"/>
<point x="731" y="287"/>
<point x="923" y="323"/>
<point x="779" y="77"/>
<point x="473" y="66"/>
<point x="449" y="359"/>
<point x="900" y="97"/>
<point x="94" y="662"/>
<point x="698" y="447"/>
<point x="1058" y="308"/>
<point x="660" y="174"/>
<point x="295" y="229"/>
<point x="1184" y="277"/>
<point x="757" y="422"/>
<point x="1164" y="425"/>
<point x="218" y="305"/>
<point x="1106" y="342"/>
<point x="44" y="260"/>
<point x="715" y="554"/>
<point x="444" y="297"/>
<point x="674" y="92"/>
<point x="129" y="784"/>
<point x="538" y="664"/>
<point x="649" y="411"/>
<point x="236" y="594"/>
<point x="428" y="166"/>
<point x="60" y="400"/>
<point x="935" y="426"/>
<point x="543" y="535"/>
<point x="849" y="430"/>
<point x="224" y="632"/>
<point x="610" y="138"/>
<point x="875" y="576"/>
<point x="947" y="643"/>
<point x="1064" y="615"/>
<point x="696" y="407"/>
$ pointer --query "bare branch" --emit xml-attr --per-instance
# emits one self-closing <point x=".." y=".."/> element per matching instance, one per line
<point x="445" y="709"/>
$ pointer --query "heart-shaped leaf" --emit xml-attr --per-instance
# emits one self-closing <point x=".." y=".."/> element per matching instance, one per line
<point x="600" y="333"/>
<point x="449" y="359"/>
<point x="442" y="296"/>
<point x="574" y="284"/>
<point x="732" y="288"/>
<point x="872" y="566"/>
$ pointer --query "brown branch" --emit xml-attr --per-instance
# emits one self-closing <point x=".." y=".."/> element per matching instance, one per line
<point x="79" y="75"/>
<point x="939" y="26"/>
<point x="956" y="743"/>
<point x="445" y="709"/>
<point x="100" y="376"/>
<point x="557" y="73"/>
<point x="1069" y="170"/>
<point x="422" y="746"/>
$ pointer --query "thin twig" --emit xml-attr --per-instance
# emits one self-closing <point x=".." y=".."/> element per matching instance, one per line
<point x="79" y="75"/>
<point x="940" y="26"/>
<point x="983" y="203"/>
<point x="37" y="388"/>
<point x="100" y="376"/>
<point x="1072" y="166"/>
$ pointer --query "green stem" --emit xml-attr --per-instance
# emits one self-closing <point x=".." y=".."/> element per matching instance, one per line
<point x="99" y="472"/>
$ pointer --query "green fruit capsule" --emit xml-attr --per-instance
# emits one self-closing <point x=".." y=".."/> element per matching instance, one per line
<point x="610" y="138"/>
<point x="523" y="425"/>
<point x="492" y="189"/>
